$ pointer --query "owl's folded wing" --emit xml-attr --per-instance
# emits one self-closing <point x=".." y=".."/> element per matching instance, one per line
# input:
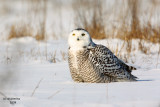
<point x="108" y="64"/>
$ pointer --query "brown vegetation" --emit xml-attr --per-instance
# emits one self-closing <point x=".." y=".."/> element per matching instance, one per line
<point x="92" y="19"/>
<point x="35" y="9"/>
<point x="91" y="16"/>
<point x="136" y="31"/>
<point x="19" y="31"/>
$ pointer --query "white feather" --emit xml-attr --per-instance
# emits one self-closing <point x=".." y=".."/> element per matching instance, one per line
<point x="75" y="44"/>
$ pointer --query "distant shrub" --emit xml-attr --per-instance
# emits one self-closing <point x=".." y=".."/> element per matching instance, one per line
<point x="19" y="31"/>
<point x="89" y="15"/>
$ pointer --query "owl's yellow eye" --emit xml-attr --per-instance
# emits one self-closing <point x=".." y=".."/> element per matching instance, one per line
<point x="83" y="34"/>
<point x="73" y="34"/>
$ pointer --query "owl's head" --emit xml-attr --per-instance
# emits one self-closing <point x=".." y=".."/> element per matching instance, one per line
<point x="79" y="38"/>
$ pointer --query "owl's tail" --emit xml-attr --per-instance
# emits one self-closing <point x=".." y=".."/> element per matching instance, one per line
<point x="128" y="68"/>
<point x="132" y="68"/>
<point x="133" y="78"/>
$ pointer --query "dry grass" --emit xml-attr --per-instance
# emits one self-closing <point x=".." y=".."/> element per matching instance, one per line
<point x="19" y="31"/>
<point x="53" y="59"/>
<point x="35" y="9"/>
<point x="64" y="55"/>
<point x="158" y="57"/>
<point x="91" y="20"/>
<point x="92" y="16"/>
<point x="35" y="54"/>
<point x="55" y="93"/>
<point x="143" y="48"/>
<point x="135" y="30"/>
<point x="41" y="35"/>
<point x="36" y="87"/>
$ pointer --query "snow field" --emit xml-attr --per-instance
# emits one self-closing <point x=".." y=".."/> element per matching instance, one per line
<point x="40" y="82"/>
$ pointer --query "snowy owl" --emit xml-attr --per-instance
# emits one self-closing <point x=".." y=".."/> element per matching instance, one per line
<point x="93" y="63"/>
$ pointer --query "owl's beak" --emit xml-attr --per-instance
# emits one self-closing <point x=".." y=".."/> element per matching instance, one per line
<point x="77" y="39"/>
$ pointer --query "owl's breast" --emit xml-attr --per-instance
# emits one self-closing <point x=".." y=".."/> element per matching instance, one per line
<point x="78" y="57"/>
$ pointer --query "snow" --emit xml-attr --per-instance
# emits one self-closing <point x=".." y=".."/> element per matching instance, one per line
<point x="57" y="88"/>
<point x="40" y="82"/>
<point x="37" y="72"/>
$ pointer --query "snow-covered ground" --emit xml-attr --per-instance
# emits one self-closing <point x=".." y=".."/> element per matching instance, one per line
<point x="37" y="81"/>
<point x="36" y="73"/>
<point x="58" y="90"/>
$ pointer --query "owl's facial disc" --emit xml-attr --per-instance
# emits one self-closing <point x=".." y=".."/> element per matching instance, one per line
<point x="79" y="39"/>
